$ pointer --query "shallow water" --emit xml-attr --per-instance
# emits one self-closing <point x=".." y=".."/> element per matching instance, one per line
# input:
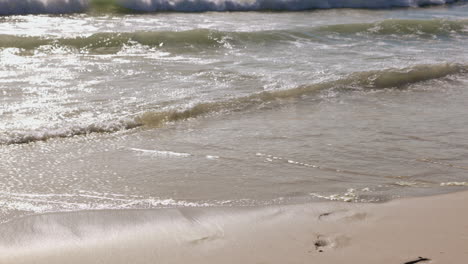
<point x="104" y="110"/>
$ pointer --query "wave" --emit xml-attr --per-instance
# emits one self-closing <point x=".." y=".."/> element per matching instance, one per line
<point x="18" y="7"/>
<point x="24" y="137"/>
<point x="390" y="78"/>
<point x="371" y="80"/>
<point x="114" y="42"/>
<point x="203" y="38"/>
<point x="434" y="27"/>
<point x="21" y="7"/>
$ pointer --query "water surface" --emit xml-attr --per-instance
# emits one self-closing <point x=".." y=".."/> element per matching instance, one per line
<point x="105" y="110"/>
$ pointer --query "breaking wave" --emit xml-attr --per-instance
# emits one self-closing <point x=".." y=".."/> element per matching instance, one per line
<point x="390" y="78"/>
<point x="205" y="38"/>
<point x="113" y="42"/>
<point x="23" y="137"/>
<point x="16" y="7"/>
<point x="381" y="79"/>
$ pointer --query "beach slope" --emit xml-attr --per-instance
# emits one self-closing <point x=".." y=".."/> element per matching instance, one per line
<point x="416" y="230"/>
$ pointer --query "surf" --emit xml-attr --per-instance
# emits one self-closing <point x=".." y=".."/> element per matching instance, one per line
<point x="196" y="39"/>
<point x="383" y="79"/>
<point x="15" y="7"/>
<point x="363" y="81"/>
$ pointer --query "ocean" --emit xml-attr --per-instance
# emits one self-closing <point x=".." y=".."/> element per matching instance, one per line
<point x="145" y="104"/>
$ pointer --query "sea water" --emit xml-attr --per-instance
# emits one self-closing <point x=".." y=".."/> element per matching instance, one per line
<point x="106" y="106"/>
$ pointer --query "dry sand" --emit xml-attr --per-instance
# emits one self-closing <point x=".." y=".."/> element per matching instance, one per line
<point x="397" y="232"/>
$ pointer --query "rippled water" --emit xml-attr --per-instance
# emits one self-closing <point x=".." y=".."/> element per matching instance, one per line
<point x="110" y="110"/>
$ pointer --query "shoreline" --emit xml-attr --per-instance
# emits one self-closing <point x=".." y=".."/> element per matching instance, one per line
<point x="399" y="231"/>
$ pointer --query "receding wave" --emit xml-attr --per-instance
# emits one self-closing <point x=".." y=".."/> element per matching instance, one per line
<point x="15" y="7"/>
<point x="380" y="79"/>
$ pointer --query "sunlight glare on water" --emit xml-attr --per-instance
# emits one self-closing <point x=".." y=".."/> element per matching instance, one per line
<point x="118" y="110"/>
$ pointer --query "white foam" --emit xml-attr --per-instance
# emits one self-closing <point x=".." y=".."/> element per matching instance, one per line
<point x="11" y="7"/>
<point x="255" y="5"/>
<point x="349" y="196"/>
<point x="162" y="153"/>
<point x="16" y="136"/>
<point x="14" y="7"/>
<point x="405" y="183"/>
<point x="36" y="203"/>
<point x="454" y="184"/>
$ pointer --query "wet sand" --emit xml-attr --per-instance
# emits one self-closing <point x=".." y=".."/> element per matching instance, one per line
<point x="401" y="231"/>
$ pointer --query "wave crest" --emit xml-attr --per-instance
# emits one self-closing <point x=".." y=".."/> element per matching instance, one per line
<point x="24" y="137"/>
<point x="110" y="43"/>
<point x="273" y="5"/>
<point x="390" y="78"/>
<point x="202" y="38"/>
<point x="113" y="42"/>
<point x="380" y="79"/>
<point x="435" y="27"/>
<point x="16" y="7"/>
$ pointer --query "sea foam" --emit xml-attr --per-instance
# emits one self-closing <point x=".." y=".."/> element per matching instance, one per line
<point x="15" y="7"/>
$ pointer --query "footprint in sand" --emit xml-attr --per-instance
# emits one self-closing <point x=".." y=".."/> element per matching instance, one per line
<point x="320" y="244"/>
<point x="323" y="243"/>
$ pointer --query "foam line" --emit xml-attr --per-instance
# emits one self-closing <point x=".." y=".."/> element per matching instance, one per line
<point x="16" y="7"/>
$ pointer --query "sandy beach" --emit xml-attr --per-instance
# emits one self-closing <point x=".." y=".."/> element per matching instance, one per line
<point x="401" y="231"/>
